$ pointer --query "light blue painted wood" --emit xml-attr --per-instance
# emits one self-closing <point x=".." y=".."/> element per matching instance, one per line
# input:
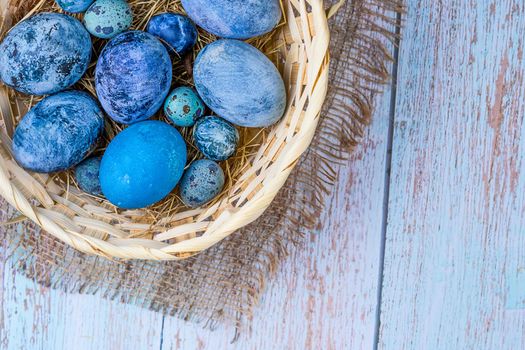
<point x="455" y="247"/>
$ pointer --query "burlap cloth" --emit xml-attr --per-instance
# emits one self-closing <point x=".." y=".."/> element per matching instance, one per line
<point x="223" y="284"/>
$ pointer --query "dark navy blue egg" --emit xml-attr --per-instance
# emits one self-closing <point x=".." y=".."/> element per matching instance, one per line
<point x="215" y="138"/>
<point x="240" y="84"/>
<point x="44" y="54"/>
<point x="133" y="77"/>
<point x="201" y="183"/>
<point x="74" y="6"/>
<point x="58" y="133"/>
<point x="235" y="19"/>
<point x="142" y="164"/>
<point x="177" y="32"/>
<point x="87" y="176"/>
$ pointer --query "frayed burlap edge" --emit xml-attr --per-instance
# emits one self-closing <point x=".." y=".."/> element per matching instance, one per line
<point x="223" y="284"/>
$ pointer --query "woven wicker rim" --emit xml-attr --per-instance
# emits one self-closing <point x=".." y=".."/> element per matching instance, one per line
<point x="84" y="224"/>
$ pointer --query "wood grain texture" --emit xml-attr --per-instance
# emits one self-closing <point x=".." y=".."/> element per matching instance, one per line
<point x="455" y="247"/>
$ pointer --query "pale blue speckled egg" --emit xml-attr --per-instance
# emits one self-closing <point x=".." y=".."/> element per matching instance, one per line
<point x="45" y="54"/>
<point x="108" y="18"/>
<point x="58" y="133"/>
<point x="215" y="138"/>
<point x="240" y="84"/>
<point x="133" y="77"/>
<point x="201" y="183"/>
<point x="235" y="19"/>
<point x="74" y="6"/>
<point x="87" y="176"/>
<point x="184" y="106"/>
<point x="177" y="32"/>
<point x="142" y="164"/>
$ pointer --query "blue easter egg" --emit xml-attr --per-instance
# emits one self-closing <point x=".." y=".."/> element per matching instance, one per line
<point x="87" y="176"/>
<point x="177" y="32"/>
<point x="235" y="19"/>
<point x="202" y="182"/>
<point x="74" y="6"/>
<point x="142" y="164"/>
<point x="240" y="84"/>
<point x="45" y="54"/>
<point x="58" y="133"/>
<point x="133" y="77"/>
<point x="107" y="18"/>
<point x="183" y="107"/>
<point x="215" y="138"/>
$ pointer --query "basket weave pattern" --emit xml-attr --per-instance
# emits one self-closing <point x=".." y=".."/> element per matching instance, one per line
<point x="96" y="228"/>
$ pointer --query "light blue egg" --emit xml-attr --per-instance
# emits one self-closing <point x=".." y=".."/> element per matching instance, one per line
<point x="45" y="54"/>
<point x="87" y="176"/>
<point x="74" y="6"/>
<point x="133" y="77"/>
<point x="240" y="84"/>
<point x="108" y="18"/>
<point x="215" y="138"/>
<point x="201" y="183"/>
<point x="142" y="164"/>
<point x="58" y="133"/>
<point x="183" y="107"/>
<point x="235" y="19"/>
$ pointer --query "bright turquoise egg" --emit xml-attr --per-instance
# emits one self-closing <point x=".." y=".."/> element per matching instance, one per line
<point x="183" y="107"/>
<point x="215" y="138"/>
<point x="142" y="165"/>
<point x="87" y="176"/>
<point x="108" y="18"/>
<point x="201" y="183"/>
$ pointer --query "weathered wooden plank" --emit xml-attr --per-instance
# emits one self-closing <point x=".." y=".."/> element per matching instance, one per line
<point x="34" y="317"/>
<point x="455" y="242"/>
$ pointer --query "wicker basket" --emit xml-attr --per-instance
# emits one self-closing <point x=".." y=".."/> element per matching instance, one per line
<point x="93" y="227"/>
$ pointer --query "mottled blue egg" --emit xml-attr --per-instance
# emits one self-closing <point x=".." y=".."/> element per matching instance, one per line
<point x="235" y="19"/>
<point x="58" y="133"/>
<point x="74" y="6"/>
<point x="215" y="138"/>
<point x="87" y="176"/>
<point x="133" y="77"/>
<point x="108" y="18"/>
<point x="142" y="164"/>
<point x="45" y="54"/>
<point x="240" y="84"/>
<point x="183" y="107"/>
<point x="177" y="32"/>
<point x="202" y="182"/>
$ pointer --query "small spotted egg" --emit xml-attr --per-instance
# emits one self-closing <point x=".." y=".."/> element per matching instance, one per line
<point x="202" y="182"/>
<point x="87" y="176"/>
<point x="107" y="18"/>
<point x="216" y="138"/>
<point x="74" y="6"/>
<point x="183" y="107"/>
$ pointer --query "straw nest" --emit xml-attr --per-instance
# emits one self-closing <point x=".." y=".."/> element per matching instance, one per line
<point x="169" y="230"/>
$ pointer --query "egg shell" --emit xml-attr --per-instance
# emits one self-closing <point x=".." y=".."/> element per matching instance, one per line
<point x="201" y="183"/>
<point x="87" y="176"/>
<point x="45" y="54"/>
<point x="133" y="77"/>
<point x="184" y="106"/>
<point x="74" y="6"/>
<point x="235" y="19"/>
<point x="58" y="133"/>
<point x="107" y="18"/>
<point x="240" y="84"/>
<point x="215" y="138"/>
<point x="142" y="164"/>
<point x="176" y="31"/>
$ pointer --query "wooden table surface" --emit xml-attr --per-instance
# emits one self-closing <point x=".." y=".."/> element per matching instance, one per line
<point x="424" y="244"/>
